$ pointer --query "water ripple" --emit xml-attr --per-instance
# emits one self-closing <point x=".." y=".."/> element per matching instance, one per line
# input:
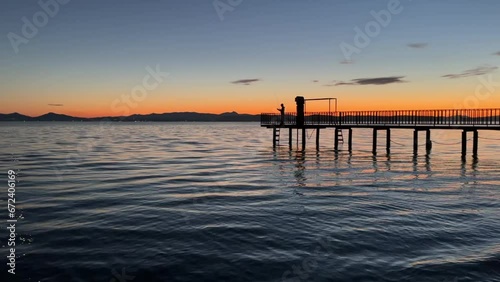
<point x="214" y="202"/>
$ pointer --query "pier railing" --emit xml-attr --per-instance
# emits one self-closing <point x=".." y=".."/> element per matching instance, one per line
<point x="432" y="118"/>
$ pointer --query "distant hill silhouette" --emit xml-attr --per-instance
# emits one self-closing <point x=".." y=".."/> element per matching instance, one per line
<point x="177" y="116"/>
<point x="14" y="117"/>
<point x="56" y="117"/>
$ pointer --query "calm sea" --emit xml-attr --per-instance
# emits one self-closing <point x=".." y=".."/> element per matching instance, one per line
<point x="213" y="202"/>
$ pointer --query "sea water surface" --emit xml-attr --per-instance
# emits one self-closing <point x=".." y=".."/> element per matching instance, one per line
<point x="214" y="202"/>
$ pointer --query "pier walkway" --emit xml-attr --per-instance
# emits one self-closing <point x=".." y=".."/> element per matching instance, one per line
<point x="467" y="120"/>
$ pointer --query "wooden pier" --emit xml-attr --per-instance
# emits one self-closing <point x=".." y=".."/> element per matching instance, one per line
<point x="466" y="120"/>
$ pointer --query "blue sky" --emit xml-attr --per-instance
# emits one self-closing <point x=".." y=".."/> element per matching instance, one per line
<point x="95" y="50"/>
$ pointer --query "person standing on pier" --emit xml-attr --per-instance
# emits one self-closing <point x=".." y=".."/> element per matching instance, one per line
<point x="282" y="112"/>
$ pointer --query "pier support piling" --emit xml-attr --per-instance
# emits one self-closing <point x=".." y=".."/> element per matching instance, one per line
<point x="349" y="142"/>
<point x="374" y="147"/>
<point x="475" y="144"/>
<point x="428" y="142"/>
<point x="317" y="139"/>
<point x="464" y="144"/>
<point x="388" y="141"/>
<point x="415" y="142"/>
<point x="290" y="137"/>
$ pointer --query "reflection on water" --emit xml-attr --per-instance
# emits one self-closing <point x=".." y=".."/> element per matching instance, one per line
<point x="300" y="169"/>
<point x="383" y="167"/>
<point x="214" y="202"/>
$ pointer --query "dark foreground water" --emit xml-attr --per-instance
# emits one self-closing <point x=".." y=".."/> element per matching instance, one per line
<point x="213" y="202"/>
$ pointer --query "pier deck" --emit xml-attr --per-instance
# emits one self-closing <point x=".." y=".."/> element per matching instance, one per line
<point x="467" y="120"/>
<point x="442" y="119"/>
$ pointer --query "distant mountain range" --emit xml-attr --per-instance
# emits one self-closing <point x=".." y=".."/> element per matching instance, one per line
<point x="180" y="116"/>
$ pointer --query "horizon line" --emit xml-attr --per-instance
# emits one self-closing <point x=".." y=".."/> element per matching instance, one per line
<point x="109" y="116"/>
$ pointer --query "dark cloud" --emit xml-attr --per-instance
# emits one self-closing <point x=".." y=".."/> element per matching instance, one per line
<point x="417" y="45"/>
<point x="372" y="81"/>
<point x="56" y="105"/>
<point x="347" y="62"/>
<point x="315" y="81"/>
<point x="497" y="53"/>
<point x="472" y="72"/>
<point x="246" y="81"/>
<point x="330" y="84"/>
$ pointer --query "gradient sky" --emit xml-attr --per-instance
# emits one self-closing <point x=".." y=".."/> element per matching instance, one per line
<point x="92" y="54"/>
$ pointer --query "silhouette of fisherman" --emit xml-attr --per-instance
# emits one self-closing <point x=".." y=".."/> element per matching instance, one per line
<point x="282" y="112"/>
